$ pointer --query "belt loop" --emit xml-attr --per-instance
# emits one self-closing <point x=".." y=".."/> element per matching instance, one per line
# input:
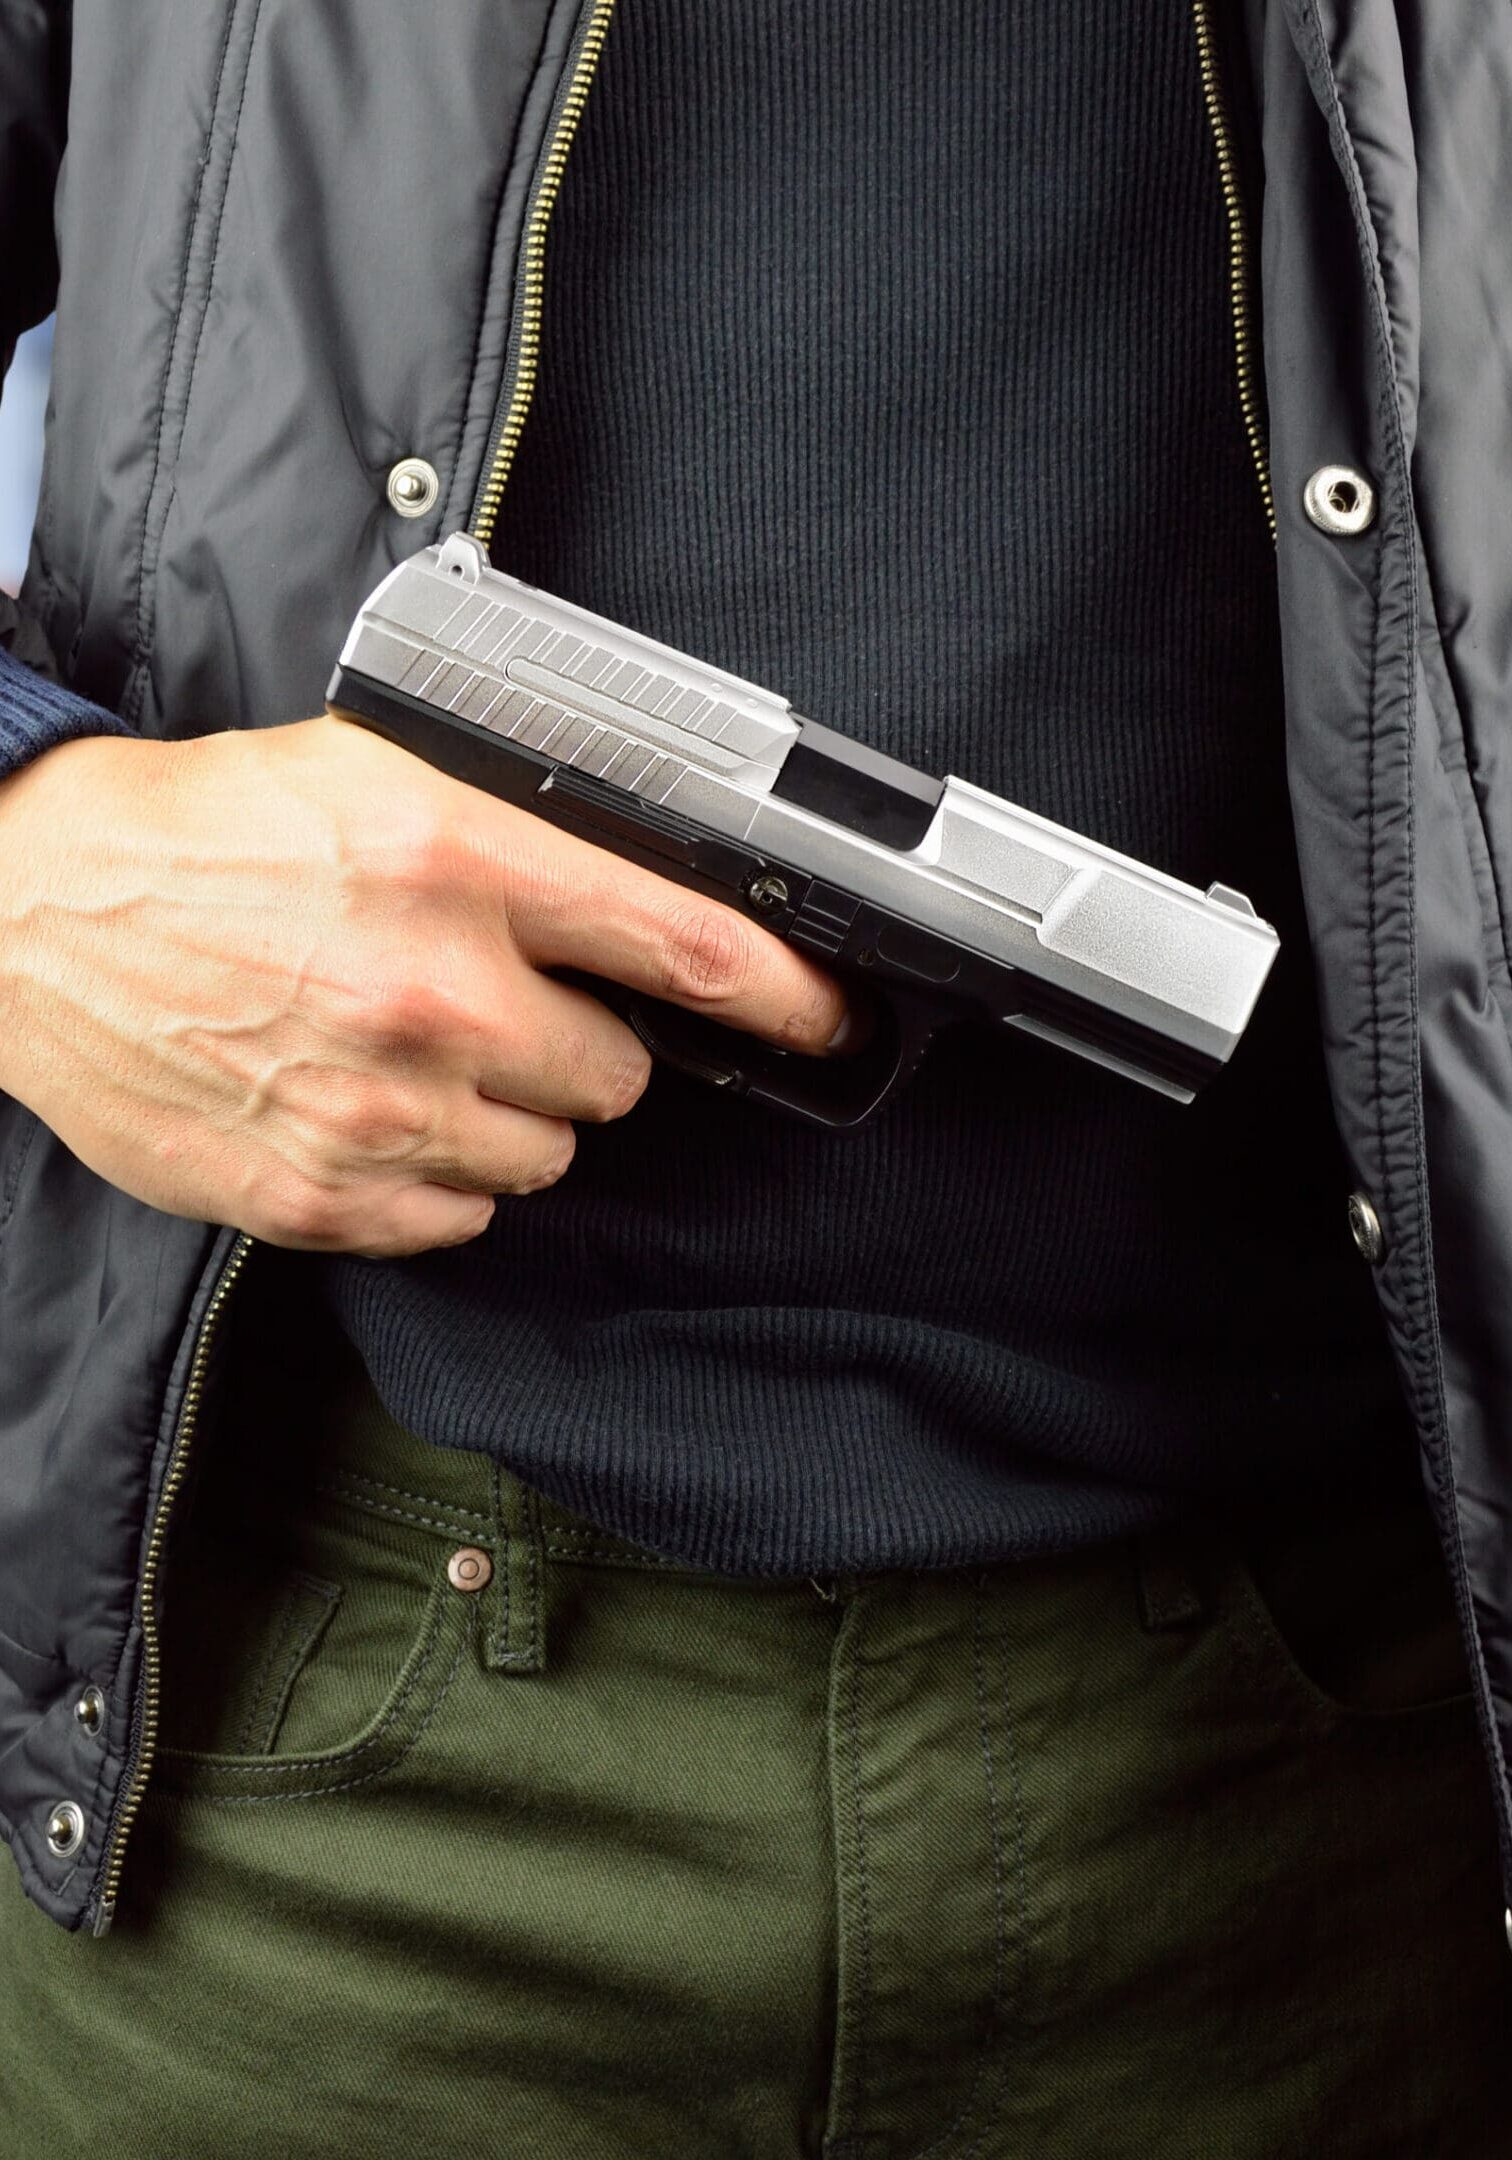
<point x="1171" y="1594"/>
<point x="515" y="1639"/>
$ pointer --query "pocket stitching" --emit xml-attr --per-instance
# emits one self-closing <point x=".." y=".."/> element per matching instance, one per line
<point x="268" y="1706"/>
<point x="201" y="1768"/>
<point x="1253" y="1632"/>
<point x="315" y="1792"/>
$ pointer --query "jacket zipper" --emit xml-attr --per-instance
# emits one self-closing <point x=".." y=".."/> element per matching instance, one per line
<point x="520" y="365"/>
<point x="1241" y="276"/>
<point x="524" y="349"/>
<point x="139" y="1768"/>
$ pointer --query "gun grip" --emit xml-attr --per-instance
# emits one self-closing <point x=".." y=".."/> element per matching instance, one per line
<point x="833" y="1092"/>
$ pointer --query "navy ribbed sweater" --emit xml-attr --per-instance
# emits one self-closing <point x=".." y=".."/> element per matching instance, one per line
<point x="887" y="360"/>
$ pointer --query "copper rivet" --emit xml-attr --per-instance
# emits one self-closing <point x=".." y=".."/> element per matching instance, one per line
<point x="469" y="1568"/>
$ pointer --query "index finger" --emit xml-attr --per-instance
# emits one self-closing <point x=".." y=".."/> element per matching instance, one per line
<point x="595" y="911"/>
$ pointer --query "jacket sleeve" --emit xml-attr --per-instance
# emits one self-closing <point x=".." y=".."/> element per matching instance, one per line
<point x="36" y="711"/>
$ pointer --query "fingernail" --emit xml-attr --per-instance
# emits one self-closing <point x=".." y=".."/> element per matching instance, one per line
<point x="845" y="1034"/>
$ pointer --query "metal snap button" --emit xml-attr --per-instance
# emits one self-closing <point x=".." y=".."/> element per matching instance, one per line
<point x="1365" y="1229"/>
<point x="1339" y="500"/>
<point x="469" y="1568"/>
<point x="65" y="1828"/>
<point x="90" y="1710"/>
<point x="413" y="487"/>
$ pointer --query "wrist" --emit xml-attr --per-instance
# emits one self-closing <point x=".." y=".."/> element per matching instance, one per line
<point x="46" y="813"/>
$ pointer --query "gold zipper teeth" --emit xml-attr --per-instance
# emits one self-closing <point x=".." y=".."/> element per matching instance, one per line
<point x="527" y="352"/>
<point x="533" y="270"/>
<point x="151" y="1660"/>
<point x="1240" y="280"/>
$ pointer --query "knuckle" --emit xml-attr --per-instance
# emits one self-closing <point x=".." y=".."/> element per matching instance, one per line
<point x="379" y="1120"/>
<point x="710" y="955"/>
<point x="622" y="1085"/>
<point x="423" y="855"/>
<point x="557" y="1159"/>
<point x="306" y="1213"/>
<point x="574" y="1051"/>
<point x="397" y="1015"/>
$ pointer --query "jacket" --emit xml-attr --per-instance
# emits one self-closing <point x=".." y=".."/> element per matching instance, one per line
<point x="292" y="248"/>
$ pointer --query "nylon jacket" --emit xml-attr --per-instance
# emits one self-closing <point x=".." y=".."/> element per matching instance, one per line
<point x="291" y="246"/>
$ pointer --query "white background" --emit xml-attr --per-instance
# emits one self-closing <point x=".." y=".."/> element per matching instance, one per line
<point x="21" y="407"/>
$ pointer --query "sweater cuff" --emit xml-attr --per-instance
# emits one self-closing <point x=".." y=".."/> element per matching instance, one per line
<point x="36" y="714"/>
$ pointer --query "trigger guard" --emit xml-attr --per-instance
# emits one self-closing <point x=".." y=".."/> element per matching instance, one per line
<point x="725" y="1073"/>
<point x="832" y="1092"/>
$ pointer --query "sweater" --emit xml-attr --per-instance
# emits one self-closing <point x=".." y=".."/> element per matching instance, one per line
<point x="887" y="360"/>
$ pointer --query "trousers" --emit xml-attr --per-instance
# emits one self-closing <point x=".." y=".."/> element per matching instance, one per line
<point x="473" y="1828"/>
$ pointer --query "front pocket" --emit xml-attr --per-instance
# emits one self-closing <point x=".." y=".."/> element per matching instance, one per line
<point x="303" y="1660"/>
<point x="237" y="1639"/>
<point x="1349" y="1621"/>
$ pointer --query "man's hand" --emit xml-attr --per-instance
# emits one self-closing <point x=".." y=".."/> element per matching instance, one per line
<point x="291" y="979"/>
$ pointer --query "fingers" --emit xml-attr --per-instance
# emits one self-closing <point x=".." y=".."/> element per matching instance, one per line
<point x="394" y="1198"/>
<point x="423" y="1218"/>
<point x="612" y="918"/>
<point x="566" y="1055"/>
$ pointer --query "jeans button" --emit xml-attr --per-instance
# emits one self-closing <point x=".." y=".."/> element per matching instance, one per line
<point x="469" y="1568"/>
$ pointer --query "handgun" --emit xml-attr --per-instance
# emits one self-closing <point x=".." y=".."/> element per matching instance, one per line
<point x="948" y="902"/>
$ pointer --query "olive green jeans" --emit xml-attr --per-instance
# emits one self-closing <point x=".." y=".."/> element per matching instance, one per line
<point x="476" y="1831"/>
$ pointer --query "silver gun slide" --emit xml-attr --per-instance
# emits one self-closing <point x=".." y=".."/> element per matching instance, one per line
<point x="948" y="902"/>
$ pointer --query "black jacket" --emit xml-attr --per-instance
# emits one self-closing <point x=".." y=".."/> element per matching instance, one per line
<point x="294" y="245"/>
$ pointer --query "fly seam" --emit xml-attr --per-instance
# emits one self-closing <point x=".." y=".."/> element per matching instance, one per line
<point x="1021" y="1886"/>
<point x="854" y="2030"/>
<point x="994" y="2024"/>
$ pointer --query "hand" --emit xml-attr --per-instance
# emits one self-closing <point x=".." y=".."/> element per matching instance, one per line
<point x="291" y="979"/>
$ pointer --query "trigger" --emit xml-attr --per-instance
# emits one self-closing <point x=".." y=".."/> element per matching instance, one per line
<point x="663" y="1043"/>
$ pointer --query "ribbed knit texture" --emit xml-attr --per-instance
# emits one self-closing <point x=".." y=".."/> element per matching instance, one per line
<point x="888" y="361"/>
<point x="36" y="714"/>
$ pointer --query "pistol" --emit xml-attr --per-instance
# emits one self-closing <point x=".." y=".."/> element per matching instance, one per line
<point x="947" y="902"/>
